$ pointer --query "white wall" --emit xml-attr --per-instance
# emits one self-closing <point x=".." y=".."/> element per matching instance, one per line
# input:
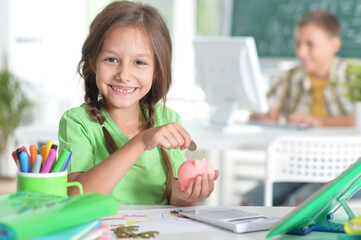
<point x="44" y="49"/>
<point x="4" y="28"/>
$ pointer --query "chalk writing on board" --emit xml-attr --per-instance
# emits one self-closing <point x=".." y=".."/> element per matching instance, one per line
<point x="272" y="23"/>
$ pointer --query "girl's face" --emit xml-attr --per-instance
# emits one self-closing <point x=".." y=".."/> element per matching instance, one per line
<point x="124" y="68"/>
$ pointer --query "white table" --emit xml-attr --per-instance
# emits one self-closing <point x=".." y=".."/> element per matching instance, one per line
<point x="206" y="137"/>
<point x="221" y="234"/>
<point x="209" y="138"/>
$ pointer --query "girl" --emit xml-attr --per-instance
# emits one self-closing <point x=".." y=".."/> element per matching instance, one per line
<point x="125" y="144"/>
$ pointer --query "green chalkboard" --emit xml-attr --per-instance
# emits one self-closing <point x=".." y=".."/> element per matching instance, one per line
<point x="271" y="23"/>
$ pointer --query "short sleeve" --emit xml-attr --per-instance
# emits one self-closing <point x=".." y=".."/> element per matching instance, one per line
<point x="73" y="135"/>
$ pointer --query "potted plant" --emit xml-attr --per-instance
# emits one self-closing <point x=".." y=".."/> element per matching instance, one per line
<point x="15" y="109"/>
<point x="353" y="71"/>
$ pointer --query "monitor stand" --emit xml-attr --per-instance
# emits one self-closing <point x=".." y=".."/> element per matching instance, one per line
<point x="223" y="119"/>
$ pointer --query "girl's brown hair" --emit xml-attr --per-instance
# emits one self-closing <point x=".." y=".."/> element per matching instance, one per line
<point x="149" y="21"/>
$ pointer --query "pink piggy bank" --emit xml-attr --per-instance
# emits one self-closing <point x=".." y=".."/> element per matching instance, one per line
<point x="190" y="169"/>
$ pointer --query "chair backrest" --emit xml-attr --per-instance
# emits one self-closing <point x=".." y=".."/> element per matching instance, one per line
<point x="308" y="159"/>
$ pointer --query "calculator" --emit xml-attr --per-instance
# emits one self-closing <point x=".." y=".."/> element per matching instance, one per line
<point x="233" y="219"/>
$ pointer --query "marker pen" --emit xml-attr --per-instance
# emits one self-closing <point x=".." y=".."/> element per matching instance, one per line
<point x="49" y="161"/>
<point x="18" y="151"/>
<point x="61" y="160"/>
<point x="23" y="149"/>
<point x="67" y="161"/>
<point x="37" y="164"/>
<point x="43" y="154"/>
<point x="14" y="156"/>
<point x="24" y="159"/>
<point x="33" y="154"/>
<point x="49" y="144"/>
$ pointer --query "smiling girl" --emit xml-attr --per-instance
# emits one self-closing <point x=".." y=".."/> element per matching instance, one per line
<point x="124" y="142"/>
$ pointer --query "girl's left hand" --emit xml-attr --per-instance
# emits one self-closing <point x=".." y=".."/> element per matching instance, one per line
<point x="197" y="190"/>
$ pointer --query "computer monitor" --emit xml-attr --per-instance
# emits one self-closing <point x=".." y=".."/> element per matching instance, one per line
<point x="228" y="71"/>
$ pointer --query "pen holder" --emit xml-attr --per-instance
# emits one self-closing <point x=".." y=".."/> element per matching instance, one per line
<point x="50" y="183"/>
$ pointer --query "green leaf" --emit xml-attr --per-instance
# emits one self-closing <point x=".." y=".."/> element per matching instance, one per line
<point x="353" y="86"/>
<point x="15" y="106"/>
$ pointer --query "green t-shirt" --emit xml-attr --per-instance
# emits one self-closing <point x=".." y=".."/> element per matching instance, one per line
<point x="84" y="137"/>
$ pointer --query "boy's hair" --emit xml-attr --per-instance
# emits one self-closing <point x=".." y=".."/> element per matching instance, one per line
<point x="322" y="19"/>
<point x="148" y="20"/>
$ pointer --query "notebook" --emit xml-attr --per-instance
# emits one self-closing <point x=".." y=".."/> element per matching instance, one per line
<point x="26" y="215"/>
<point x="233" y="219"/>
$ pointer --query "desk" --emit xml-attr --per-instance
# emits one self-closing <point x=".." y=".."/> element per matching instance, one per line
<point x="208" y="138"/>
<point x="221" y="234"/>
<point x="211" y="139"/>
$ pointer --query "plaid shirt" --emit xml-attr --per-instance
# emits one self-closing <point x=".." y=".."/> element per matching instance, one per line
<point x="292" y="92"/>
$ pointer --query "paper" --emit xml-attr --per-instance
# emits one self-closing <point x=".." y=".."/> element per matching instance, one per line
<point x="163" y="220"/>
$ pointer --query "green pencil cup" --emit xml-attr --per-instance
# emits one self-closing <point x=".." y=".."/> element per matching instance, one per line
<point x="50" y="183"/>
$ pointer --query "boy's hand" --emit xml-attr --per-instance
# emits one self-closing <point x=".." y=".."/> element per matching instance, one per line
<point x="169" y="136"/>
<point x="271" y="116"/>
<point x="197" y="190"/>
<point x="303" y="119"/>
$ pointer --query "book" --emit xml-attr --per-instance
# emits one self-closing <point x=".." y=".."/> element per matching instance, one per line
<point x="90" y="230"/>
<point x="26" y="215"/>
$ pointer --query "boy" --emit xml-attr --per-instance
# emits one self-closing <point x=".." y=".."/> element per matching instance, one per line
<point x="309" y="94"/>
<point x="312" y="93"/>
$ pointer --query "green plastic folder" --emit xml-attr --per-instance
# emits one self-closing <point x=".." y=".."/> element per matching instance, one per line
<point x="318" y="206"/>
<point x="25" y="215"/>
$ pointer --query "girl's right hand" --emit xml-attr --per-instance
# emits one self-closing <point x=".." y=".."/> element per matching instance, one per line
<point x="169" y="136"/>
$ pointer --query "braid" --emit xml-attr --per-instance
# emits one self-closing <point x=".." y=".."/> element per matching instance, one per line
<point x="93" y="107"/>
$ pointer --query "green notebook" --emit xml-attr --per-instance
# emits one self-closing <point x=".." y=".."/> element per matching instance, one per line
<point x="25" y="215"/>
<point x="317" y="207"/>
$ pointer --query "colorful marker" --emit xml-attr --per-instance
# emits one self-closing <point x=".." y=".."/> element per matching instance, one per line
<point x="43" y="154"/>
<point x="50" y="160"/>
<point x="23" y="149"/>
<point x="18" y="151"/>
<point x="66" y="162"/>
<point x="24" y="159"/>
<point x="37" y="164"/>
<point x="33" y="154"/>
<point x="14" y="156"/>
<point x="61" y="160"/>
<point x="49" y="144"/>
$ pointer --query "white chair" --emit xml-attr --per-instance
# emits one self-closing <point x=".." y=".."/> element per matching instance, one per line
<point x="315" y="159"/>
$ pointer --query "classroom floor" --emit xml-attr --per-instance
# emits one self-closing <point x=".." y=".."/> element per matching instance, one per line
<point x="7" y="185"/>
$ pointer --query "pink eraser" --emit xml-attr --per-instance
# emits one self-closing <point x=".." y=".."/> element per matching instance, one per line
<point x="191" y="169"/>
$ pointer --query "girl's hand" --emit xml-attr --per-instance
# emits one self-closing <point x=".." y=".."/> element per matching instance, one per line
<point x="197" y="190"/>
<point x="169" y="136"/>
